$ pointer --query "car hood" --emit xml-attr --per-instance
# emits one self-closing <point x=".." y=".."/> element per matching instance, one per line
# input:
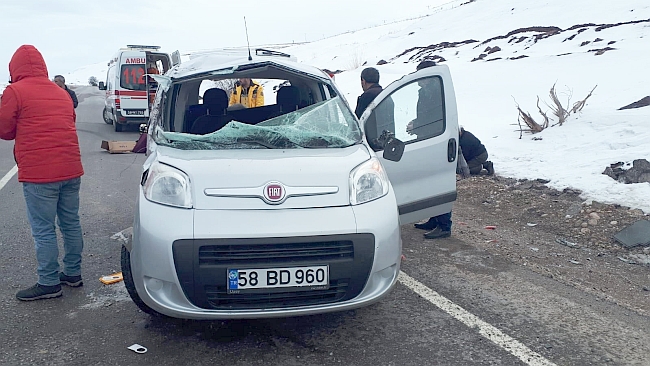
<point x="238" y="179"/>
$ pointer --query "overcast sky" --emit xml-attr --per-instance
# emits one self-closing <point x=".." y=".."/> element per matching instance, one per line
<point x="75" y="33"/>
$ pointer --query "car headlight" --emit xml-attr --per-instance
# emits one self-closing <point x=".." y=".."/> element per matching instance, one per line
<point x="168" y="186"/>
<point x="368" y="182"/>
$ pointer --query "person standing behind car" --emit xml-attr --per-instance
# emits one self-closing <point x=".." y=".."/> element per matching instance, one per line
<point x="38" y="115"/>
<point x="371" y="88"/>
<point x="247" y="93"/>
<point x="475" y="153"/>
<point x="429" y="119"/>
<point x="60" y="81"/>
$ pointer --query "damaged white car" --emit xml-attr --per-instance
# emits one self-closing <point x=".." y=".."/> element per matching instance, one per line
<point x="291" y="208"/>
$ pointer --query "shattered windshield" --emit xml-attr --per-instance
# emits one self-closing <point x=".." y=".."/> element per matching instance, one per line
<point x="328" y="124"/>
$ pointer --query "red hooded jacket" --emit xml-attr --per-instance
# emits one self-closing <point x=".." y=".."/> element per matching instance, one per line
<point x="40" y="117"/>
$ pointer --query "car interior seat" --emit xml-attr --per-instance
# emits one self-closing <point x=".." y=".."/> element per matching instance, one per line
<point x="288" y="100"/>
<point x="215" y="101"/>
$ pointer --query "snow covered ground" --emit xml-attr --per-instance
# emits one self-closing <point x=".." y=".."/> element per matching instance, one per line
<point x="489" y="89"/>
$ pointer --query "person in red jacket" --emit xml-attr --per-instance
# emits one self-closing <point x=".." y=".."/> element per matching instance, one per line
<point x="39" y="116"/>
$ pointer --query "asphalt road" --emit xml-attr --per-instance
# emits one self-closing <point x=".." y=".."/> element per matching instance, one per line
<point x="455" y="304"/>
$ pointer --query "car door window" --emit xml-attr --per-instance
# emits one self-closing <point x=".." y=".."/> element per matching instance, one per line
<point x="414" y="112"/>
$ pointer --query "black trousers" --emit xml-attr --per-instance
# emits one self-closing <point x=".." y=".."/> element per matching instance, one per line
<point x="476" y="165"/>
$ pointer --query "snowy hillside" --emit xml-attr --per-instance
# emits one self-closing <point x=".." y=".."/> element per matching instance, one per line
<point x="504" y="53"/>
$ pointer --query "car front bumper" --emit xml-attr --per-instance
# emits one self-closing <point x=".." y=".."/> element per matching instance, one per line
<point x="176" y="272"/>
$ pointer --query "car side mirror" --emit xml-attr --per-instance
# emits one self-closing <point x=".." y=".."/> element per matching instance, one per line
<point x="393" y="147"/>
<point x="101" y="86"/>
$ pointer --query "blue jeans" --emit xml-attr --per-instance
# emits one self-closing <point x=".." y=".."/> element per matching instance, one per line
<point x="45" y="202"/>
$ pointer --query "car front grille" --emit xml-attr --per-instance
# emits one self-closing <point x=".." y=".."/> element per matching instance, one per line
<point x="202" y="266"/>
<point x="219" y="298"/>
<point x="236" y="255"/>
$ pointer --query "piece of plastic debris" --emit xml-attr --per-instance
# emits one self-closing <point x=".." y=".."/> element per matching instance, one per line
<point x="531" y="224"/>
<point x="124" y="236"/>
<point x="626" y="260"/>
<point x="112" y="278"/>
<point x="534" y="249"/>
<point x="567" y="243"/>
<point x="492" y="241"/>
<point x="491" y="227"/>
<point x="575" y="262"/>
<point x="637" y="234"/>
<point x="137" y="348"/>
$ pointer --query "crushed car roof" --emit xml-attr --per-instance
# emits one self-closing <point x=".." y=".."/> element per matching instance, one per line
<point x="228" y="63"/>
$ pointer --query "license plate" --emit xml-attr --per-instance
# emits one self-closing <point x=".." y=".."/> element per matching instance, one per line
<point x="134" y="112"/>
<point x="265" y="278"/>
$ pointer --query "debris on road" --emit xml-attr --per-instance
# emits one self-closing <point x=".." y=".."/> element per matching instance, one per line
<point x="491" y="227"/>
<point x="124" y="236"/>
<point x="626" y="260"/>
<point x="118" y="147"/>
<point x="111" y="279"/>
<point x="637" y="234"/>
<point x="567" y="243"/>
<point x="643" y="259"/>
<point x="531" y="224"/>
<point x="575" y="262"/>
<point x="137" y="348"/>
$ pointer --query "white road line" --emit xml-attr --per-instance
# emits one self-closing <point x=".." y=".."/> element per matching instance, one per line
<point x="8" y="176"/>
<point x="488" y="331"/>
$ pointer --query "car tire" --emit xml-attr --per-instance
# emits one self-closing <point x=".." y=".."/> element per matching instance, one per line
<point x="130" y="285"/>
<point x="106" y="117"/>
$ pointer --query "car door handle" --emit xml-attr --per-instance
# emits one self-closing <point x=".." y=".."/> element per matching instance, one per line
<point x="452" y="150"/>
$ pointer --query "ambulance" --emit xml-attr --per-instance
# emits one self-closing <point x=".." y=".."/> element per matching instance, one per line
<point x="130" y="90"/>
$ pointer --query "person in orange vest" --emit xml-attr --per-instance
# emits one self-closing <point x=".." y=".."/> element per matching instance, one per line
<point x="247" y="93"/>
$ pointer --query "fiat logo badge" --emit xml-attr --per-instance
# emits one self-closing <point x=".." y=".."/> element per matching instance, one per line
<point x="274" y="192"/>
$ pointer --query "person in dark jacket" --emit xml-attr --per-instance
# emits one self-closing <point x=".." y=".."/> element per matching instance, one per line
<point x="60" y="81"/>
<point x="371" y="88"/>
<point x="428" y="122"/>
<point x="475" y="153"/>
<point x="38" y="115"/>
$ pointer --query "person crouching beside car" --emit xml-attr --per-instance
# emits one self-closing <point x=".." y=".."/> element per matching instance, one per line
<point x="475" y="153"/>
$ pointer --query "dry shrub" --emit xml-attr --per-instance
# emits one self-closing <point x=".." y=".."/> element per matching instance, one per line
<point x="559" y="111"/>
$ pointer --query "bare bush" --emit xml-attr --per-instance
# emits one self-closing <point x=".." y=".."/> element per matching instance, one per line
<point x="577" y="106"/>
<point x="559" y="111"/>
<point x="356" y="58"/>
<point x="92" y="81"/>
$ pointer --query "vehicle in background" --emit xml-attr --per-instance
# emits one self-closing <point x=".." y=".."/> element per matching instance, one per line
<point x="129" y="90"/>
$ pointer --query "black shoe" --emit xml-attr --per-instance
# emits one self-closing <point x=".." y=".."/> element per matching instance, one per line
<point x="437" y="233"/>
<point x="72" y="281"/>
<point x="38" y="292"/>
<point x="490" y="167"/>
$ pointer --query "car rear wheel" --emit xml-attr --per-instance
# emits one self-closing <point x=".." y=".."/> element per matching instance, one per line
<point x="130" y="285"/>
<point x="118" y="127"/>
<point x="106" y="117"/>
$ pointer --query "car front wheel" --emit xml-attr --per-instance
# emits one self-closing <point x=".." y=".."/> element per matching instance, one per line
<point x="130" y="285"/>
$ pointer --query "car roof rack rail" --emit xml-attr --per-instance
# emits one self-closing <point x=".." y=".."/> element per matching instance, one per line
<point x="267" y="52"/>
